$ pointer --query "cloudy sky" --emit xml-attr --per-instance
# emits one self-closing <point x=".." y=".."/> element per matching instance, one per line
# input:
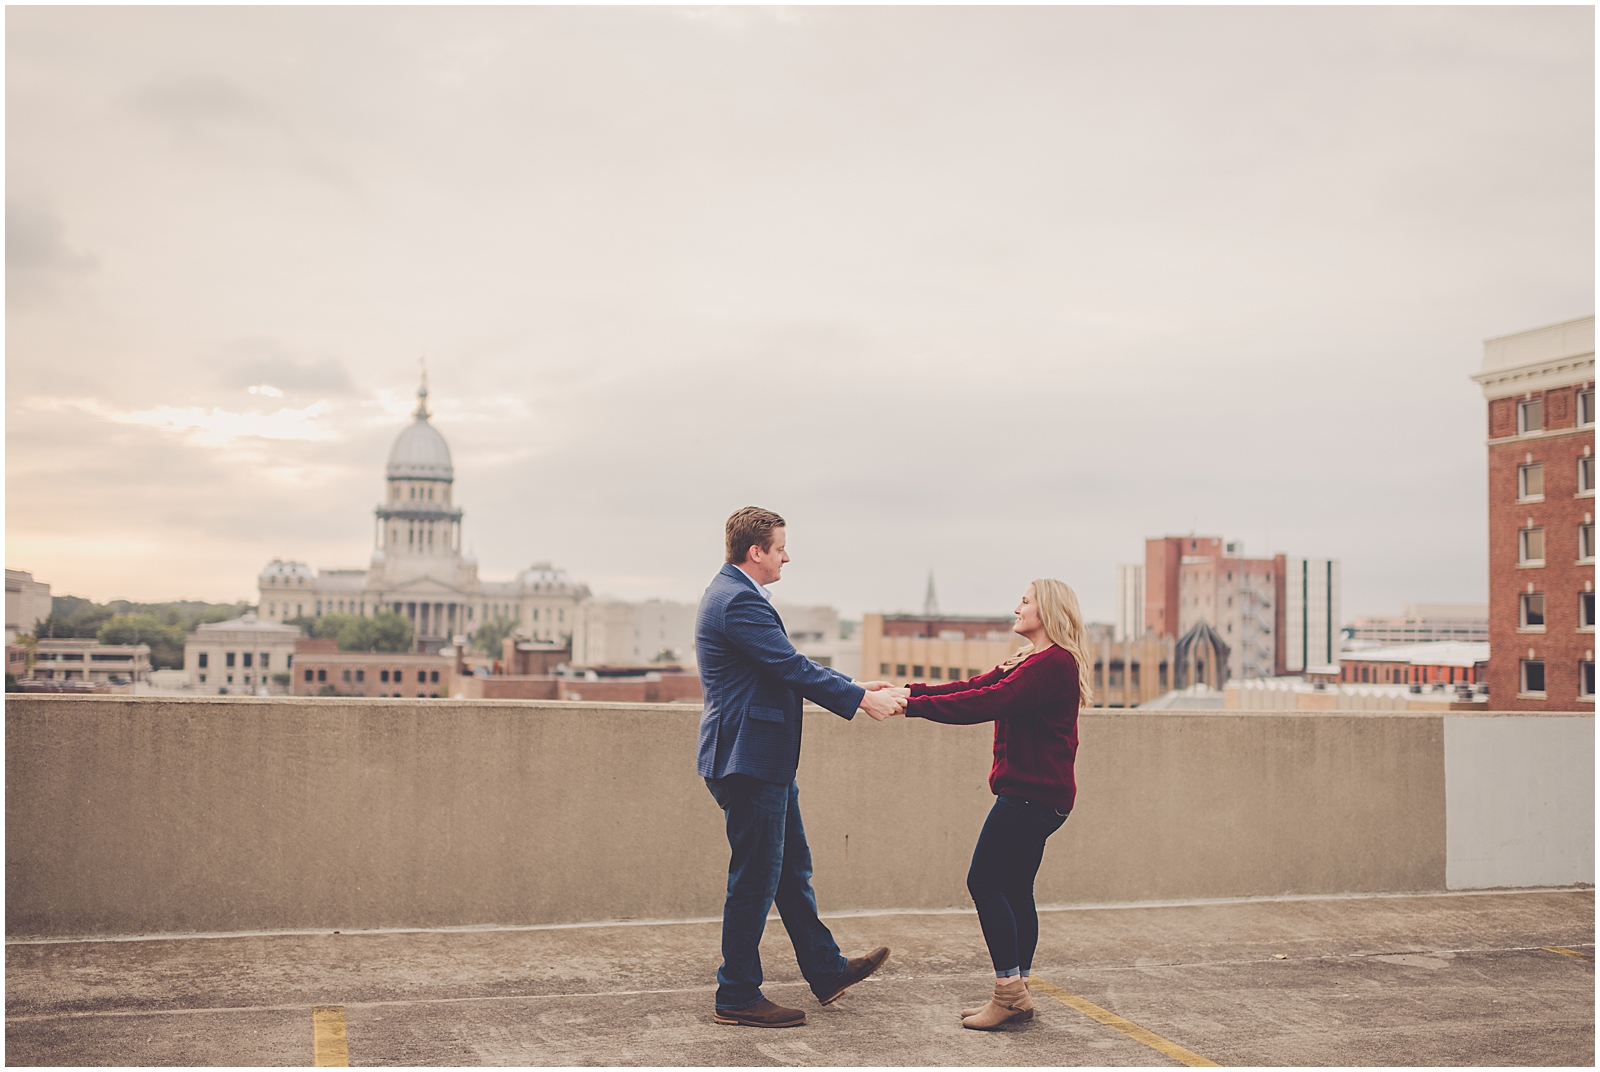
<point x="995" y="293"/>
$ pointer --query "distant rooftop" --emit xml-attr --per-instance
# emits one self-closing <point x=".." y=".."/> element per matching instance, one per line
<point x="1436" y="653"/>
<point x="1571" y="338"/>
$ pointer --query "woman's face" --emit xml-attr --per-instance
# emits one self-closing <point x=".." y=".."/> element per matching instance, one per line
<point x="1027" y="613"/>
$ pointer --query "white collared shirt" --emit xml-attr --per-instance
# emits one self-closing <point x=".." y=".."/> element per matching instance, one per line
<point x="766" y="595"/>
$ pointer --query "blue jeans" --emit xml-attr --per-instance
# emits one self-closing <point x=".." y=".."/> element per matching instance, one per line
<point x="1001" y="879"/>
<point x="771" y="863"/>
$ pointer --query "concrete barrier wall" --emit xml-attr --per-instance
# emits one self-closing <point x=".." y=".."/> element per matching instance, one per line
<point x="1519" y="801"/>
<point x="149" y="815"/>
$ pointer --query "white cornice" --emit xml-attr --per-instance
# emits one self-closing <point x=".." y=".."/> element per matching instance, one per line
<point x="1539" y="376"/>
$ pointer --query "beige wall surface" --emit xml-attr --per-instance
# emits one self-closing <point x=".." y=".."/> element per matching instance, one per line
<point x="150" y="815"/>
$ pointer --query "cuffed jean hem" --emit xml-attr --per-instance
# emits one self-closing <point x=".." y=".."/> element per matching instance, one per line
<point x="1008" y="973"/>
<point x="741" y="1008"/>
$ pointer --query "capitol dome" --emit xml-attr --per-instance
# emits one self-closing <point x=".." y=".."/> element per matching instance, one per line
<point x="420" y="452"/>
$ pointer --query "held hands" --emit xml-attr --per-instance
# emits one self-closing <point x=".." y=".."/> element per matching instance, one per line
<point x="883" y="700"/>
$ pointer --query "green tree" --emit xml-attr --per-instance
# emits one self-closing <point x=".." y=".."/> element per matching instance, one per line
<point x="166" y="641"/>
<point x="386" y="631"/>
<point x="490" y="634"/>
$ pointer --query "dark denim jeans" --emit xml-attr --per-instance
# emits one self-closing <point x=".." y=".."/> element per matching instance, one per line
<point x="1001" y="878"/>
<point x="770" y="863"/>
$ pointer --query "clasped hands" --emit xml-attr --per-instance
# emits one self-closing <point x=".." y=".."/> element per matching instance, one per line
<point x="884" y="700"/>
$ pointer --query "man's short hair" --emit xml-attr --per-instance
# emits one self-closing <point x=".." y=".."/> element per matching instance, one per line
<point x="749" y="528"/>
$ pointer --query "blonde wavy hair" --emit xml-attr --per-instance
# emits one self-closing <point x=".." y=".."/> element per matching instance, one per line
<point x="1063" y="624"/>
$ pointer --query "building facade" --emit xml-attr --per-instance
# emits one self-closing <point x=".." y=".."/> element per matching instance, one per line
<point x="616" y="633"/>
<point x="244" y="655"/>
<point x="1448" y="662"/>
<point x="27" y="604"/>
<point x="1130" y="602"/>
<point x="321" y="669"/>
<point x="90" y="661"/>
<point x="901" y="648"/>
<point x="1127" y="672"/>
<point x="1539" y="390"/>
<point x="1424" y="623"/>
<point x="1277" y="615"/>
<point x="418" y="567"/>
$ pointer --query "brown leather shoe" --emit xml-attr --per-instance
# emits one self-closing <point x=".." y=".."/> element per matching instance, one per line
<point x="855" y="970"/>
<point x="763" y="1013"/>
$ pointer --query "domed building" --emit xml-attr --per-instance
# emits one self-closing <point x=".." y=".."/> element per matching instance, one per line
<point x="418" y="567"/>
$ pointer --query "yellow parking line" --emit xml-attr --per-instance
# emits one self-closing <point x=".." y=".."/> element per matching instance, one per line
<point x="328" y="1046"/>
<point x="1564" y="952"/>
<point x="1127" y="1027"/>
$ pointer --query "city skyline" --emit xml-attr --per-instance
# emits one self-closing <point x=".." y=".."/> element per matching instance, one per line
<point x="1006" y="292"/>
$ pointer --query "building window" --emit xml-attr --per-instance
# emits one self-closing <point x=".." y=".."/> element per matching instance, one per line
<point x="1530" y="416"/>
<point x="955" y="673"/>
<point x="1585" y="610"/>
<point x="1133" y="675"/>
<point x="249" y="658"/>
<point x="1586" y="406"/>
<point x="1532" y="609"/>
<point x="1530" y="547"/>
<point x="936" y="672"/>
<point x="361" y="675"/>
<point x="230" y="677"/>
<point x="916" y="672"/>
<point x="1161" y="675"/>
<point x="202" y="661"/>
<point x="202" y="678"/>
<point x="899" y="669"/>
<point x="1586" y="680"/>
<point x="1099" y="673"/>
<point x="1586" y="542"/>
<point x="883" y="669"/>
<point x="322" y="675"/>
<point x="433" y="676"/>
<point x="309" y="675"/>
<point x="1533" y="676"/>
<point x="1530" y="481"/>
<point x="422" y="677"/>
<point x="347" y="676"/>
<point x="1116" y="673"/>
<point x="228" y="660"/>
<point x="1586" y="475"/>
<point x="383" y="676"/>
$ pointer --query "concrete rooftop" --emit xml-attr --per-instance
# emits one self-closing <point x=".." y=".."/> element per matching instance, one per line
<point x="1447" y="979"/>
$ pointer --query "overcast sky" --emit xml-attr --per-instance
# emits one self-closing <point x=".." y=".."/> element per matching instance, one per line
<point x="995" y="293"/>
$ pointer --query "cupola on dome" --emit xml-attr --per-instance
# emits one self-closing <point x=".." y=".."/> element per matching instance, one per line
<point x="420" y="452"/>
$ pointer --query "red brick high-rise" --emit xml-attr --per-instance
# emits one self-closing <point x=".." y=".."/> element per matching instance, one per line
<point x="1539" y="386"/>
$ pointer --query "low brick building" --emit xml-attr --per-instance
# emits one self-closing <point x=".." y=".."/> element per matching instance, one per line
<point x="1442" y="662"/>
<point x="1539" y="390"/>
<point x="321" y="669"/>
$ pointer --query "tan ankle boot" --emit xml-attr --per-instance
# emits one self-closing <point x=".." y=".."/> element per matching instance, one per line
<point x="1011" y="1004"/>
<point x="975" y="1010"/>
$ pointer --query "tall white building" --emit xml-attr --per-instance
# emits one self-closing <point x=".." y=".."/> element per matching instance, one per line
<point x="612" y="632"/>
<point x="1130" y="602"/>
<point x="1311" y="619"/>
<point x="418" y="568"/>
<point x="27" y="603"/>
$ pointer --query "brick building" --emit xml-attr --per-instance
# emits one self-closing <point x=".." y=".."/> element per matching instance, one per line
<point x="321" y="669"/>
<point x="919" y="647"/>
<point x="1539" y="389"/>
<point x="1277" y="615"/>
<point x="1446" y="662"/>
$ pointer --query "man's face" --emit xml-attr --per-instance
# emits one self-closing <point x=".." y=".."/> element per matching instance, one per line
<point x="767" y="566"/>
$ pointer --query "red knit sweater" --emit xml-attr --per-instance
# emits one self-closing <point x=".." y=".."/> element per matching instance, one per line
<point x="1034" y="709"/>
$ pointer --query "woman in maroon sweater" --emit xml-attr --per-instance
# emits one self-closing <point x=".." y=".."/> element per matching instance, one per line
<point x="1032" y="699"/>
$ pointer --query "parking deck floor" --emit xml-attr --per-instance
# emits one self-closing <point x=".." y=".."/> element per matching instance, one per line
<point x="1503" y="978"/>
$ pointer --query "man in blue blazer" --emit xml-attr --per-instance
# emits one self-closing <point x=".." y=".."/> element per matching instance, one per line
<point x="754" y="682"/>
